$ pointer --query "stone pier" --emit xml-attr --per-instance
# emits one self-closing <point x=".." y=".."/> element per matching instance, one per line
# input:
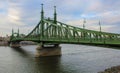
<point x="48" y="51"/>
<point x="15" y="44"/>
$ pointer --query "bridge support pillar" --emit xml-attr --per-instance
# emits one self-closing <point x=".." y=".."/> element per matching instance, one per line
<point x="15" y="44"/>
<point x="48" y="51"/>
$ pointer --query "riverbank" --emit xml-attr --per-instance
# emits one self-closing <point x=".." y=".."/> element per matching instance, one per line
<point x="114" y="69"/>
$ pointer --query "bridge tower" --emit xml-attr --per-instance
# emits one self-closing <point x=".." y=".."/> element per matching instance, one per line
<point x="14" y="44"/>
<point x="44" y="48"/>
<point x="55" y="20"/>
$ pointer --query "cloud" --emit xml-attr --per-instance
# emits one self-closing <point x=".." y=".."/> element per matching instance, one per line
<point x="25" y="14"/>
<point x="14" y="16"/>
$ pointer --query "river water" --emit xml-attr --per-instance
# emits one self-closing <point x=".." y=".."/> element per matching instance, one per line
<point x="74" y="59"/>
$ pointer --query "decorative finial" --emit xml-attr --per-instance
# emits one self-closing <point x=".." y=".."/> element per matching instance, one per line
<point x="55" y="15"/>
<point x="42" y="6"/>
<point x="55" y="9"/>
<point x="42" y="12"/>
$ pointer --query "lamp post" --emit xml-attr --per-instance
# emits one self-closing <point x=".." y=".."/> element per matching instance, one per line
<point x="100" y="26"/>
<point x="84" y="21"/>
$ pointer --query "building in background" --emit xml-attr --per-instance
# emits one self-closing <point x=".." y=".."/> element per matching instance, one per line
<point x="4" y="40"/>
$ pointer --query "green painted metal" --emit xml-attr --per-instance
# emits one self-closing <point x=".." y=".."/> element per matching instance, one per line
<point x="42" y="22"/>
<point x="52" y="31"/>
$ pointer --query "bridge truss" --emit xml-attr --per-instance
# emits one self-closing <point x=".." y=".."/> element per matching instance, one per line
<point x="52" y="31"/>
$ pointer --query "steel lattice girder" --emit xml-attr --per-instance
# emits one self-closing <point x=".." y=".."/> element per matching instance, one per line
<point x="63" y="33"/>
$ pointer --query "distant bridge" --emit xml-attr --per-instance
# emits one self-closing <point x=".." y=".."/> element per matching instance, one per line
<point x="54" y="32"/>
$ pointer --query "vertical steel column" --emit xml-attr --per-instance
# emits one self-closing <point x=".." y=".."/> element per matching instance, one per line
<point x="55" y="21"/>
<point x="47" y="31"/>
<point x="42" y="22"/>
<point x="18" y="33"/>
<point x="91" y="37"/>
<point x="66" y="32"/>
<point x="12" y="35"/>
<point x="74" y="32"/>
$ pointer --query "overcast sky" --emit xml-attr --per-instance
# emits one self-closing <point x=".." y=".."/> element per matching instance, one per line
<point x="25" y="14"/>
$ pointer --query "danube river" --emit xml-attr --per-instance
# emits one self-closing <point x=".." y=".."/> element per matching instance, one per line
<point x="74" y="59"/>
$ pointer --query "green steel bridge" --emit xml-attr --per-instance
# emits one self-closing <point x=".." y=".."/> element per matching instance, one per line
<point x="52" y="31"/>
